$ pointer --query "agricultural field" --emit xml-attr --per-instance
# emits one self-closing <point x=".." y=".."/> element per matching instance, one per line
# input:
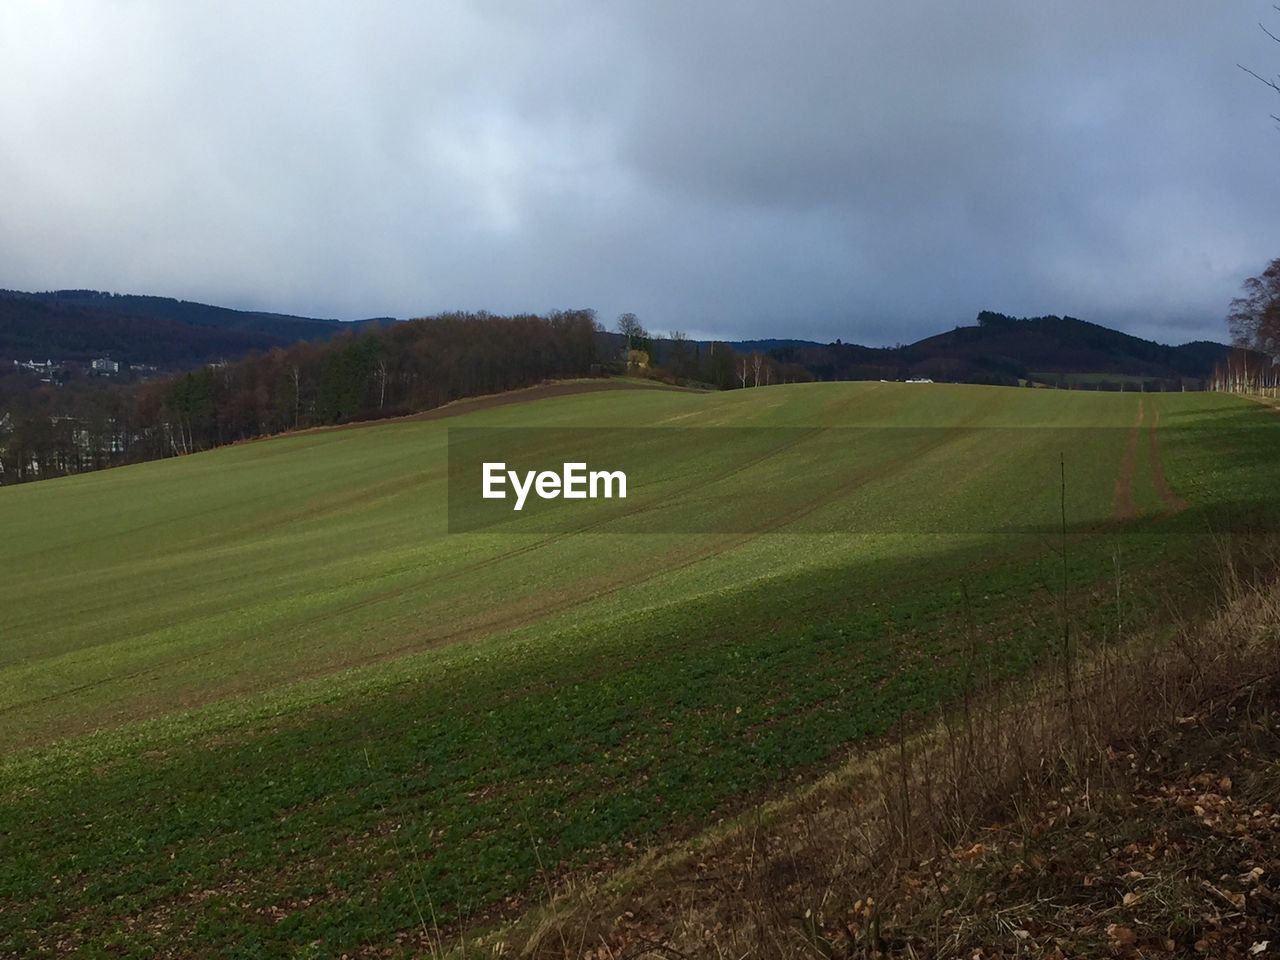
<point x="1092" y="379"/>
<point x="263" y="701"/>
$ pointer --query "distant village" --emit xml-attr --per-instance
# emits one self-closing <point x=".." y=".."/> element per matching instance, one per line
<point x="65" y="443"/>
<point x="59" y="371"/>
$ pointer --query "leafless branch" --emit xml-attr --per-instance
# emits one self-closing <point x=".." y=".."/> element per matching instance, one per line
<point x="1270" y="83"/>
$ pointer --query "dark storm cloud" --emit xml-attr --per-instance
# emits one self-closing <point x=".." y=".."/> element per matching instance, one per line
<point x="871" y="171"/>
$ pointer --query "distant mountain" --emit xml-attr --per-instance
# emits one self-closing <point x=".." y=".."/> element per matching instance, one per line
<point x="997" y="349"/>
<point x="82" y="324"/>
<point x="772" y="343"/>
<point x="1061" y="345"/>
<point x="1004" y="349"/>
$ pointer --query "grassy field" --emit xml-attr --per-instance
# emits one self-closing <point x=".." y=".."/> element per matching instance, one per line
<point x="260" y="701"/>
<point x="1092" y="379"/>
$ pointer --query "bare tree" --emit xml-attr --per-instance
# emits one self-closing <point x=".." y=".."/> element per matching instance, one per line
<point x="1254" y="323"/>
<point x="629" y="326"/>
<point x="1274" y="84"/>
<point x="681" y="354"/>
<point x="296" y="377"/>
<point x="1254" y="320"/>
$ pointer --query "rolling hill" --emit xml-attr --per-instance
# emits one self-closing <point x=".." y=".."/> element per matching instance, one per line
<point x="262" y="699"/>
<point x="1002" y="349"/>
<point x="159" y="331"/>
<point x="998" y="349"/>
<point x="1059" y="345"/>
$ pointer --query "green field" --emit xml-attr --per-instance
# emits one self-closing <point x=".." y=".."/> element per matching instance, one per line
<point x="259" y="702"/>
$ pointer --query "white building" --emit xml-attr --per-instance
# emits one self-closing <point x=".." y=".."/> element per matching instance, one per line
<point x="35" y="366"/>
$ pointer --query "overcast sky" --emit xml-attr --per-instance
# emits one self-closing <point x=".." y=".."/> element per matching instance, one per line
<point x="869" y="169"/>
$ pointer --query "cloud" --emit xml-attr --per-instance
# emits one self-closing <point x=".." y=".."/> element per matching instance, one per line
<point x="865" y="171"/>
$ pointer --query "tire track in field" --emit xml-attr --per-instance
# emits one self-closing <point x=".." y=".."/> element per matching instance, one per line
<point x="513" y="617"/>
<point x="459" y="572"/>
<point x="880" y="471"/>
<point x="1173" y="504"/>
<point x="330" y="503"/>
<point x="885" y="469"/>
<point x="802" y="434"/>
<point x="610" y="586"/>
<point x="543" y="605"/>
<point x="1122" y="504"/>
<point x="387" y="488"/>
<point x="466" y="405"/>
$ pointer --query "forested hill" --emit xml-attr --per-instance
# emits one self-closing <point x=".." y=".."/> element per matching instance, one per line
<point x="160" y="331"/>
<point x="1065" y="344"/>
<point x="1003" y="349"/>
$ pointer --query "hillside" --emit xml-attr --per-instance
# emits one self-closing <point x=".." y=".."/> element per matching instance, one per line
<point x="159" y="331"/>
<point x="296" y="695"/>
<point x="32" y="329"/>
<point x="998" y="349"/>
<point x="1002" y="349"/>
<point x="1061" y="345"/>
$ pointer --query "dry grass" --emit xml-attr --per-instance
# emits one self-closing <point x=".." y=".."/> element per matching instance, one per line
<point x="1086" y="811"/>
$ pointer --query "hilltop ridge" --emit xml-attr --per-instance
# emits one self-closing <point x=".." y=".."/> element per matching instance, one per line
<point x="1004" y="349"/>
<point x="162" y="331"/>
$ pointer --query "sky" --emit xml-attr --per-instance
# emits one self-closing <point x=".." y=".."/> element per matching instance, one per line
<point x="868" y="170"/>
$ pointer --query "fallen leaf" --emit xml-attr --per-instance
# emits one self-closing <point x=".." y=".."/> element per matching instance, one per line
<point x="1121" y="936"/>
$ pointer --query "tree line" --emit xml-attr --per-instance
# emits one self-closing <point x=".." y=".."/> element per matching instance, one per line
<point x="383" y="371"/>
<point x="376" y="372"/>
<point x="1254" y="323"/>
